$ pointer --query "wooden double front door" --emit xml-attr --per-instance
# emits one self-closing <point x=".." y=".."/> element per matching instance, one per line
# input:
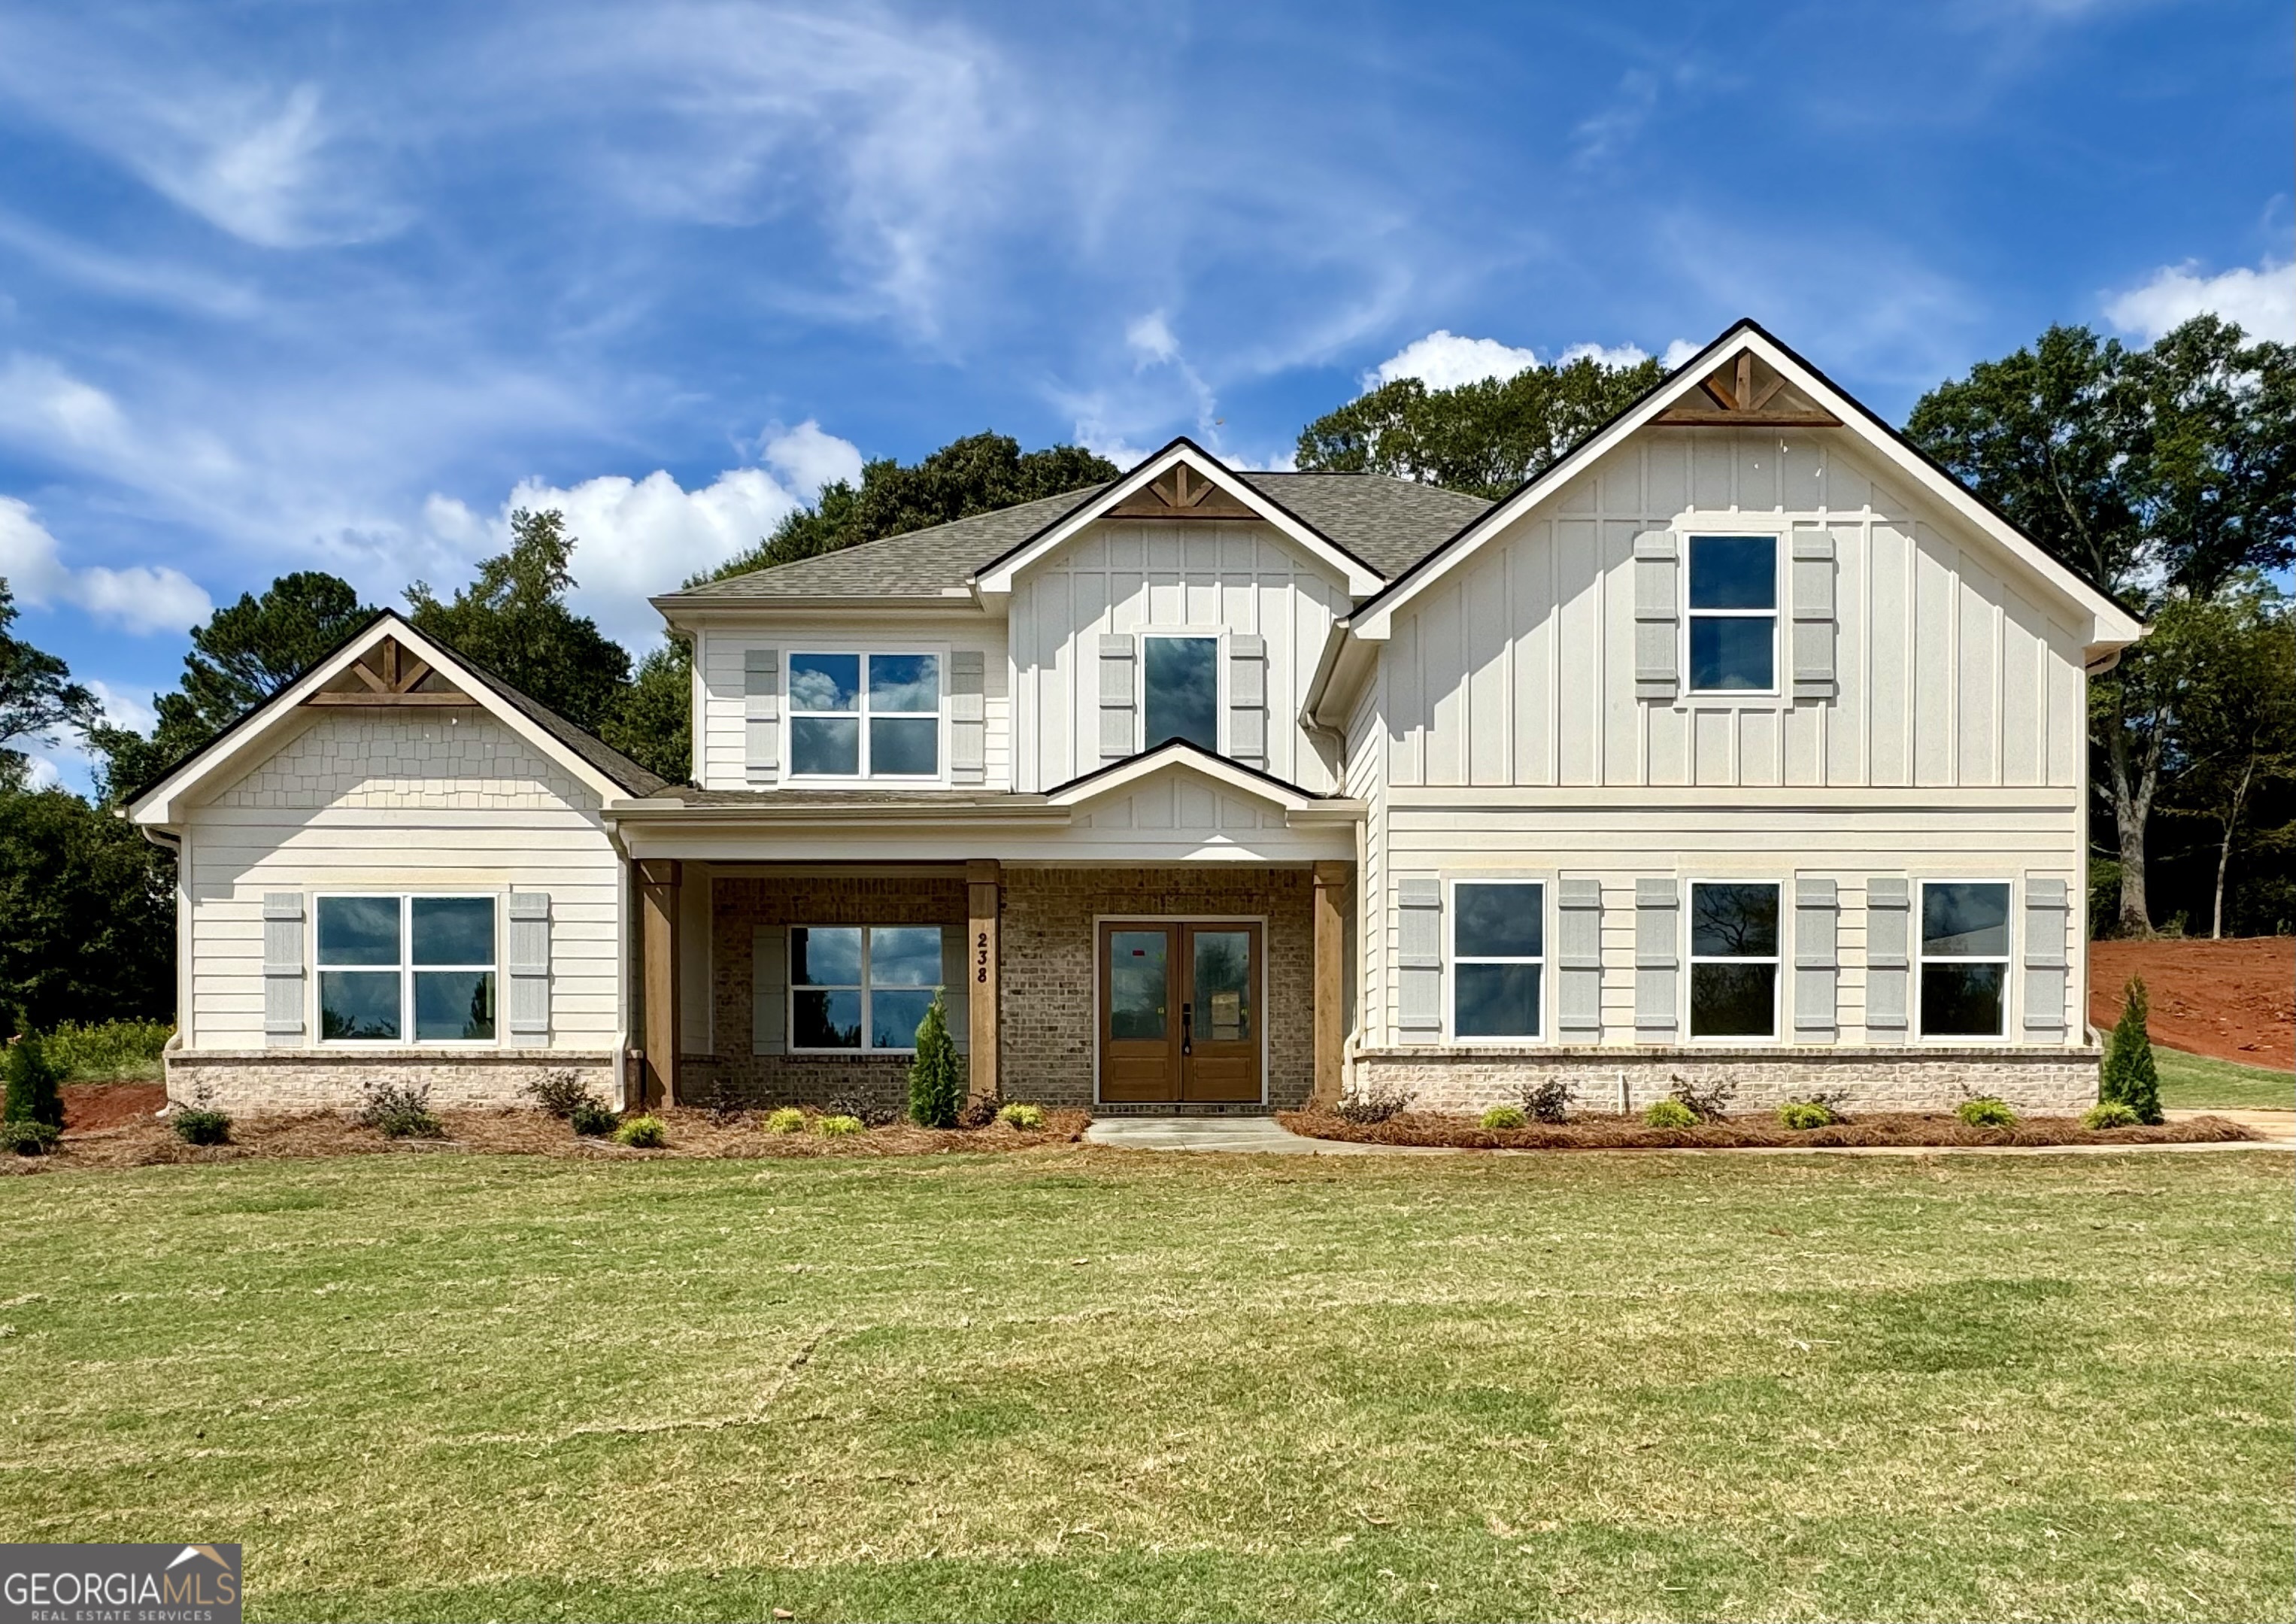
<point x="1179" y="1010"/>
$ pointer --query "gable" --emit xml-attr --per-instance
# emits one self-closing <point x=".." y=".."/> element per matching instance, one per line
<point x="458" y="758"/>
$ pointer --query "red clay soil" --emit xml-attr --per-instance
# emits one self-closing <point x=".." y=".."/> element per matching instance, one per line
<point x="2230" y="1000"/>
<point x="1741" y="1132"/>
<point x="88" y="1106"/>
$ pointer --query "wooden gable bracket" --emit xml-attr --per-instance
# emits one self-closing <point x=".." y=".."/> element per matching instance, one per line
<point x="1746" y="393"/>
<point x="388" y="674"/>
<point x="1181" y="493"/>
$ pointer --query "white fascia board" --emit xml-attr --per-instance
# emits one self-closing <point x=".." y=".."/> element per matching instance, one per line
<point x="1361" y="579"/>
<point x="1178" y="758"/>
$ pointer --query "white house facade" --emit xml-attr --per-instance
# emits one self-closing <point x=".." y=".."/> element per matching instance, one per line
<point x="1742" y="744"/>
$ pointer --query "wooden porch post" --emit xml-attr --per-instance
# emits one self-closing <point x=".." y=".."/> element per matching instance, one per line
<point x="658" y="884"/>
<point x="984" y="886"/>
<point x="1332" y="879"/>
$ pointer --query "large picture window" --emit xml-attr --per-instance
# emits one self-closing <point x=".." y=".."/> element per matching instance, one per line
<point x="1498" y="950"/>
<point x="864" y="715"/>
<point x="1180" y="691"/>
<point x="1964" y="958"/>
<point x="392" y="967"/>
<point x="1734" y="960"/>
<point x="861" y="987"/>
<point x="1734" y="614"/>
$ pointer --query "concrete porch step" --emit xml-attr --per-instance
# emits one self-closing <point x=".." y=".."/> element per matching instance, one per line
<point x="1182" y="1108"/>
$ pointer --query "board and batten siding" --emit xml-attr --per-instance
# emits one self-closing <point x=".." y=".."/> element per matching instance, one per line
<point x="388" y="802"/>
<point x="1125" y="577"/>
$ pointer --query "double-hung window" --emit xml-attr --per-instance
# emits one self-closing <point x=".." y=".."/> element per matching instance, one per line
<point x="1964" y="958"/>
<point x="392" y="967"/>
<point x="1734" y="614"/>
<point x="1499" y="949"/>
<point x="864" y="715"/>
<point x="1179" y="684"/>
<point x="862" y="987"/>
<point x="1734" y="960"/>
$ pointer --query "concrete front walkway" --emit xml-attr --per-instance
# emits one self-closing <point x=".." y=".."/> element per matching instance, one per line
<point x="1261" y="1135"/>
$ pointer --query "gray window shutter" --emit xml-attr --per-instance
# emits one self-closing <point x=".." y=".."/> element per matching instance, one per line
<point x="761" y="699"/>
<point x="1658" y="632"/>
<point x="1578" y="957"/>
<point x="768" y="989"/>
<point x="956" y="991"/>
<point x="1117" y="731"/>
<point x="2046" y="910"/>
<point x="526" y="1004"/>
<point x="282" y="969"/>
<point x="1658" y="957"/>
<point x="1247" y="699"/>
<point x="1889" y="906"/>
<point x="1419" y="961"/>
<point x="1813" y="614"/>
<point x="1817" y="960"/>
<point x="968" y="716"/>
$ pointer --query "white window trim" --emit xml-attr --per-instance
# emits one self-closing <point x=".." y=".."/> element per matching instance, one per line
<point x="792" y="987"/>
<point x="1780" y="692"/>
<point x="406" y="970"/>
<point x="1780" y="962"/>
<point x="1918" y="957"/>
<point x="1545" y="1036"/>
<point x="1216" y="635"/>
<point x="794" y="651"/>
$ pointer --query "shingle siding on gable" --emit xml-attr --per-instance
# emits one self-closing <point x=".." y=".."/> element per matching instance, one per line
<point x="458" y="759"/>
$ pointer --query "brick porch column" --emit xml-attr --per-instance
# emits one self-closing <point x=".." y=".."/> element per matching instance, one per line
<point x="658" y="889"/>
<point x="983" y="887"/>
<point x="1331" y="882"/>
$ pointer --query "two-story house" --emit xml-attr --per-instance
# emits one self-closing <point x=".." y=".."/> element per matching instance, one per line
<point x="1743" y="742"/>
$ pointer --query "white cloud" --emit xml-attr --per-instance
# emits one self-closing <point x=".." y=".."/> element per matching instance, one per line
<point x="141" y="598"/>
<point x="1444" y="360"/>
<point x="2261" y="302"/>
<point x="1678" y="352"/>
<point x="121" y="708"/>
<point x="808" y="458"/>
<point x="1151" y="338"/>
<point x="1612" y="355"/>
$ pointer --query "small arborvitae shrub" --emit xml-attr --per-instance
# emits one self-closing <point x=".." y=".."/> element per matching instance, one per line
<point x="1805" y="1113"/>
<point x="591" y="1116"/>
<point x="1547" y="1102"/>
<point x="560" y="1093"/>
<point x="2109" y="1114"/>
<point x="838" y="1127"/>
<point x="1506" y="1116"/>
<point x="35" y="1082"/>
<point x="643" y="1134"/>
<point x="1983" y="1110"/>
<point x="1707" y="1101"/>
<point x="1670" y="1113"/>
<point x="27" y="1137"/>
<point x="398" y="1111"/>
<point x="1374" y="1103"/>
<point x="1023" y="1115"/>
<point x="788" y="1119"/>
<point x="2129" y="1077"/>
<point x="936" y="1080"/>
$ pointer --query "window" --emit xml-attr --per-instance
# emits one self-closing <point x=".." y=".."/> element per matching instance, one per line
<point x="1497" y="948"/>
<point x="861" y="987"/>
<point x="1964" y="958"/>
<point x="1734" y="614"/>
<point x="1180" y="683"/>
<point x="1734" y="960"/>
<point x="392" y="965"/>
<point x="864" y="715"/>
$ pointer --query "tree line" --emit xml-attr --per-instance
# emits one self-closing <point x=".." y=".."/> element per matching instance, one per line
<point x="2165" y="475"/>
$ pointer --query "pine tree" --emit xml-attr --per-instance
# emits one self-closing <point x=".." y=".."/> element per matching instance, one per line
<point x="33" y="1095"/>
<point x="2128" y="1077"/>
<point x="936" y="1081"/>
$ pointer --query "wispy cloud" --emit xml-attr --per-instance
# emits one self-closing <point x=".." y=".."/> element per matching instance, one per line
<point x="2260" y="300"/>
<point x="140" y="598"/>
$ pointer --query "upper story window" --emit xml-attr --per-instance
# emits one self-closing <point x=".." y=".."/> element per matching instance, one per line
<point x="1734" y="960"/>
<point x="392" y="965"/>
<point x="864" y="715"/>
<point x="1734" y="614"/>
<point x="1964" y="958"/>
<point x="1180" y="691"/>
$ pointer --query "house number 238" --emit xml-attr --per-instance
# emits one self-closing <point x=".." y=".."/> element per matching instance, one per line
<point x="980" y="958"/>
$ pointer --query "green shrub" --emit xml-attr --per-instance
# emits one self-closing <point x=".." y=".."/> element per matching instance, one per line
<point x="398" y="1111"/>
<point x="2109" y="1114"/>
<point x="838" y="1127"/>
<point x="1805" y="1113"/>
<point x="2128" y="1077"/>
<point x="199" y="1124"/>
<point x="27" y="1137"/>
<point x="558" y="1091"/>
<point x="1022" y="1116"/>
<point x="936" y="1081"/>
<point x="1671" y="1113"/>
<point x="591" y="1116"/>
<point x="108" y="1050"/>
<point x="1983" y="1110"/>
<point x="643" y="1134"/>
<point x="1707" y="1101"/>
<point x="34" y="1077"/>
<point x="788" y="1119"/>
<point x="1506" y="1116"/>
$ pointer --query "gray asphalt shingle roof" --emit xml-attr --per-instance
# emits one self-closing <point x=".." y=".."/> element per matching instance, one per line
<point x="1389" y="524"/>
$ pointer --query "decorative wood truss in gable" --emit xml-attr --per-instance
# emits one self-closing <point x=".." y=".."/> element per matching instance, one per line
<point x="1746" y="392"/>
<point x="389" y="675"/>
<point x="1180" y="492"/>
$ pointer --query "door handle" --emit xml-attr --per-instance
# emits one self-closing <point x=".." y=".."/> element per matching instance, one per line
<point x="1187" y="1028"/>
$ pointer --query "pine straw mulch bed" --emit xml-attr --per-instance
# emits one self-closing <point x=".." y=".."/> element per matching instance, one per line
<point x="1941" y="1129"/>
<point x="525" y="1132"/>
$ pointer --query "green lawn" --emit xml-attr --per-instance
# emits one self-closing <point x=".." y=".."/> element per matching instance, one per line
<point x="1083" y="1384"/>
<point x="2193" y="1082"/>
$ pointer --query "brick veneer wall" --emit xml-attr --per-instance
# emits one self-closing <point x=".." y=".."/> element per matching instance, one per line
<point x="330" y="1079"/>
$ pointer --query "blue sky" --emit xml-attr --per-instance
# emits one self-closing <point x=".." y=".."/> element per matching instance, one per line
<point x="319" y="286"/>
